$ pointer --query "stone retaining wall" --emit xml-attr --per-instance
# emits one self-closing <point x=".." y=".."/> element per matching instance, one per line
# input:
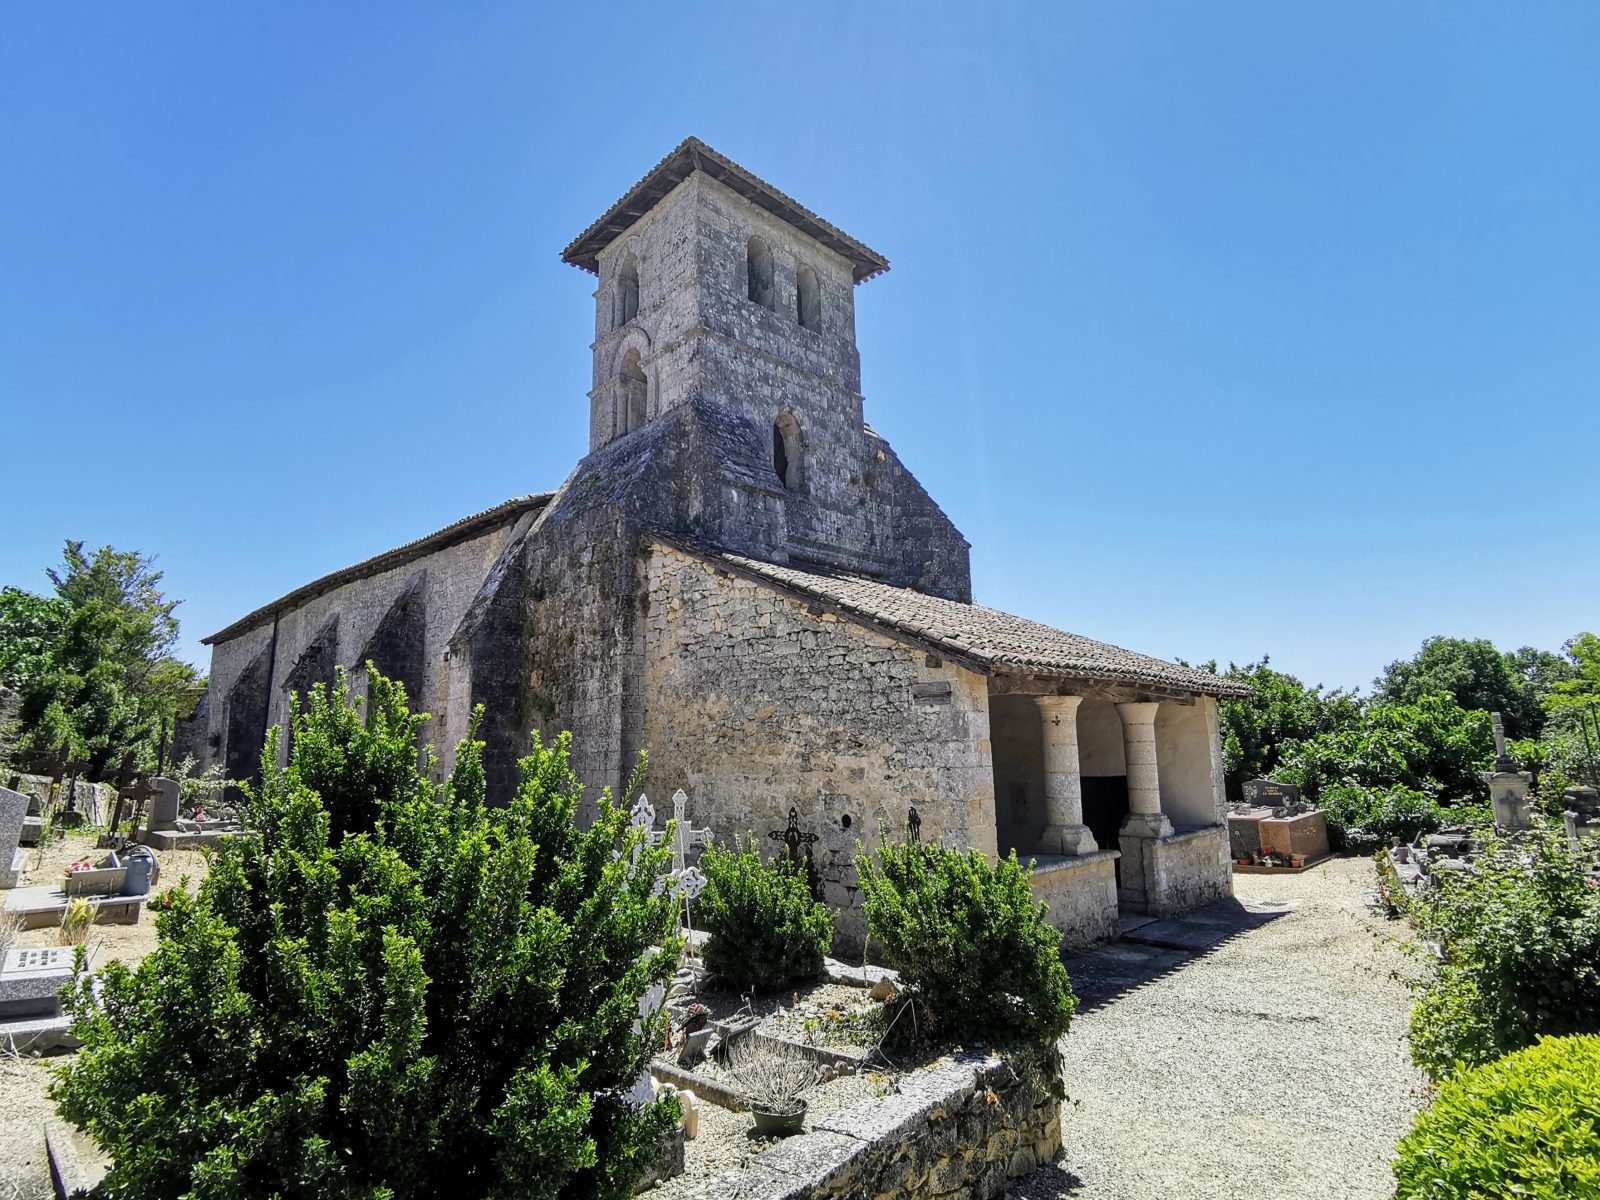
<point x="961" y="1128"/>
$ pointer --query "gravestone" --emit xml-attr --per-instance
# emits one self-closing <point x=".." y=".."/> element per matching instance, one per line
<point x="13" y="815"/>
<point x="1582" y="816"/>
<point x="1508" y="787"/>
<point x="1267" y="793"/>
<point x="163" y="803"/>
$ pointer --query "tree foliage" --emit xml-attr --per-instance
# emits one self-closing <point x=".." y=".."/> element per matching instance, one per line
<point x="29" y="626"/>
<point x="1432" y="746"/>
<point x="393" y="991"/>
<point x="1279" y="713"/>
<point x="94" y="664"/>
<point x="1477" y="676"/>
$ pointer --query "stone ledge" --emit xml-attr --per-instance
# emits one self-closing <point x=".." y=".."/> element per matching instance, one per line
<point x="963" y="1126"/>
<point x="1044" y="864"/>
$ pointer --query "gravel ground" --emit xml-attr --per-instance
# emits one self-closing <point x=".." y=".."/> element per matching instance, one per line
<point x="1274" y="1066"/>
<point x="24" y="1106"/>
<point x="25" y="1081"/>
<point x="128" y="943"/>
<point x="727" y="1139"/>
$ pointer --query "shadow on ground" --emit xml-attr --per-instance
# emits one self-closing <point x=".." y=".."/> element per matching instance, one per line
<point x="1151" y="948"/>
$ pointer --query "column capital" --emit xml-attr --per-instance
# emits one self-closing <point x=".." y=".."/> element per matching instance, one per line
<point x="1058" y="704"/>
<point x="1138" y="712"/>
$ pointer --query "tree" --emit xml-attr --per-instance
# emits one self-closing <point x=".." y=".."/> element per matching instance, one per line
<point x="29" y="625"/>
<point x="392" y="990"/>
<point x="1433" y="746"/>
<point x="1477" y="676"/>
<point x="97" y="672"/>
<point x="1279" y="713"/>
<point x="76" y="699"/>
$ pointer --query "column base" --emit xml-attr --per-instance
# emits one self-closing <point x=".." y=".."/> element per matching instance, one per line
<point x="1146" y="825"/>
<point x="1068" y="839"/>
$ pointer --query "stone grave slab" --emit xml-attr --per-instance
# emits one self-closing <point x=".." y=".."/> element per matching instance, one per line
<point x="1305" y="835"/>
<point x="44" y="906"/>
<point x="31" y="979"/>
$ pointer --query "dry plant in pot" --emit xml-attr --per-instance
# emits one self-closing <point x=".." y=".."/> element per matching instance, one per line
<point x="770" y="1075"/>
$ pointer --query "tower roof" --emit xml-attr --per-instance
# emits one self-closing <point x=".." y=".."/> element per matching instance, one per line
<point x="692" y="155"/>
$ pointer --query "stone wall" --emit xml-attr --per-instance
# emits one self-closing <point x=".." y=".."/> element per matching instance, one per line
<point x="758" y="703"/>
<point x="1182" y="872"/>
<point x="961" y="1128"/>
<point x="1081" y="891"/>
<point x="404" y="615"/>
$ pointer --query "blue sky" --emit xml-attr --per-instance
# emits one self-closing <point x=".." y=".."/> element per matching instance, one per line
<point x="1220" y="329"/>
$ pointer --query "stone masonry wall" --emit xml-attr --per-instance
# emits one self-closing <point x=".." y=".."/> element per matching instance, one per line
<point x="1082" y="894"/>
<point x="1185" y="872"/>
<point x="960" y="1129"/>
<point x="757" y="704"/>
<point x="450" y="578"/>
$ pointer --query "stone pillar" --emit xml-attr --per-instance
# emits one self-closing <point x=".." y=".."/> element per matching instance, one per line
<point x="1145" y="818"/>
<point x="1064" y="831"/>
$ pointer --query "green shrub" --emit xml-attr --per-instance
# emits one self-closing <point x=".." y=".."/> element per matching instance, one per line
<point x="1362" y="819"/>
<point x="969" y="941"/>
<point x="440" y="1000"/>
<point x="765" y="929"/>
<point x="1521" y="945"/>
<point x="1524" y="1125"/>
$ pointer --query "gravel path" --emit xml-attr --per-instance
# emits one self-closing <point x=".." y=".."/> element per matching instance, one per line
<point x="1273" y="1066"/>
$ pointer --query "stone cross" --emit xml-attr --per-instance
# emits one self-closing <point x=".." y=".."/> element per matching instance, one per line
<point x="1502" y="761"/>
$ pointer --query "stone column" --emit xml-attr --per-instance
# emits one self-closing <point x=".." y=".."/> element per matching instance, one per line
<point x="1145" y="818"/>
<point x="1064" y="831"/>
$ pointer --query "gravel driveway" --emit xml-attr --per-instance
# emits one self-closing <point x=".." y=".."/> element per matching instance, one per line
<point x="1273" y="1065"/>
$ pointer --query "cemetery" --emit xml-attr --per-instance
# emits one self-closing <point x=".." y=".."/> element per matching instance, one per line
<point x="943" y="901"/>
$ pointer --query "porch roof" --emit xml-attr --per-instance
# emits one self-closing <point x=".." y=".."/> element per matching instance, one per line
<point x="988" y="638"/>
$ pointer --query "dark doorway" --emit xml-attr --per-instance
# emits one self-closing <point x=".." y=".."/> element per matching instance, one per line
<point x="1105" y="804"/>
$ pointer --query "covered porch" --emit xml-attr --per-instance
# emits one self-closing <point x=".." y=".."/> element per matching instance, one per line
<point x="1115" y="790"/>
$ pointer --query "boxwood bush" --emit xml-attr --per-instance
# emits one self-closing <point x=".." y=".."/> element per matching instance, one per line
<point x="970" y="942"/>
<point x="1524" y="1125"/>
<point x="765" y="930"/>
<point x="391" y="990"/>
<point x="1521" y="954"/>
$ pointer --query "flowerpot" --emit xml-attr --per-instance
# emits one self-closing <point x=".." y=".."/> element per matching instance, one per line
<point x="771" y="1124"/>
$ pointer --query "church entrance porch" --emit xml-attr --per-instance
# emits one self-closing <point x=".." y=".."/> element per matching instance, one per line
<point x="1117" y="801"/>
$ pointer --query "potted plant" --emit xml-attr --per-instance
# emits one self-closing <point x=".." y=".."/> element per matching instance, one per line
<point x="770" y="1075"/>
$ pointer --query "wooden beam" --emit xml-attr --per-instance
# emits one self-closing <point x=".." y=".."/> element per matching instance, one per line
<point x="1006" y="683"/>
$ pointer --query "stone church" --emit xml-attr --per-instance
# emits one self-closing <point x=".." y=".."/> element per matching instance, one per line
<point x="743" y="579"/>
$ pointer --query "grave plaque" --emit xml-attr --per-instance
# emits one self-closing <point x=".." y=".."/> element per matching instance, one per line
<point x="31" y="980"/>
<point x="1266" y="792"/>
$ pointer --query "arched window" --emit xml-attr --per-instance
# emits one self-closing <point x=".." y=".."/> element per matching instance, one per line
<point x="628" y="290"/>
<point x="758" y="272"/>
<point x="786" y="449"/>
<point x="807" y="298"/>
<point x="632" y="393"/>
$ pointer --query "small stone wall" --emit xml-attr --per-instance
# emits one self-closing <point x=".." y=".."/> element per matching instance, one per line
<point x="1180" y="873"/>
<point x="1081" y="891"/>
<point x="961" y="1128"/>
